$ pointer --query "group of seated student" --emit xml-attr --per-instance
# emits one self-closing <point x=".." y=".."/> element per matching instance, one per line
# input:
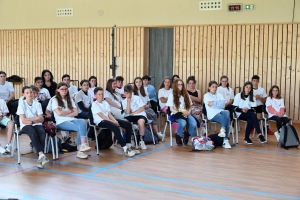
<point x="133" y="105"/>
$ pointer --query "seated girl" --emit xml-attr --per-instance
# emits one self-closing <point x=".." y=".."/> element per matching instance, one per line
<point x="227" y="93"/>
<point x="244" y="105"/>
<point x="83" y="100"/>
<point x="165" y="89"/>
<point x="138" y="89"/>
<point x="31" y="115"/>
<point x="65" y="110"/>
<point x="180" y="105"/>
<point x="104" y="119"/>
<point x="275" y="108"/>
<point x="214" y="104"/>
<point x="135" y="112"/>
<point x="113" y="98"/>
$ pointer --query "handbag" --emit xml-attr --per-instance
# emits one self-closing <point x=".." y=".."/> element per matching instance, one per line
<point x="49" y="127"/>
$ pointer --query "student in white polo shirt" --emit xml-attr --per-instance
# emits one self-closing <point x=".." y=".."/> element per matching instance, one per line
<point x="214" y="103"/>
<point x="113" y="98"/>
<point x="65" y="110"/>
<point x="72" y="88"/>
<point x="83" y="100"/>
<point x="7" y="93"/>
<point x="31" y="118"/>
<point x="244" y="105"/>
<point x="165" y="89"/>
<point x="261" y="97"/>
<point x="104" y="119"/>
<point x="135" y="110"/>
<point x="276" y="109"/>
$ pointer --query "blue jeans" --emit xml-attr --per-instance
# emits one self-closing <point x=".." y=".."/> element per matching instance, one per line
<point x="223" y="118"/>
<point x="182" y="123"/>
<point x="76" y="125"/>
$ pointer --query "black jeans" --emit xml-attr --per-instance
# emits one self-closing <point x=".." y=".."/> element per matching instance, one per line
<point x="230" y="109"/>
<point x="12" y="106"/>
<point x="280" y="121"/>
<point x="114" y="128"/>
<point x="252" y="120"/>
<point x="37" y="136"/>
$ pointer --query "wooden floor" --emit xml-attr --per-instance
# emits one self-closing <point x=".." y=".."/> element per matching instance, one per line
<point x="258" y="171"/>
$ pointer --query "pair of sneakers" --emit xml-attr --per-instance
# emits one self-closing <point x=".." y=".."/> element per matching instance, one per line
<point x="83" y="149"/>
<point x="42" y="161"/>
<point x="131" y="151"/>
<point x="260" y="137"/>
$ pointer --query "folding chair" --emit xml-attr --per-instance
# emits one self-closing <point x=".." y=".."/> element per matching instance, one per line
<point x="206" y="121"/>
<point x="266" y="120"/>
<point x="149" y="123"/>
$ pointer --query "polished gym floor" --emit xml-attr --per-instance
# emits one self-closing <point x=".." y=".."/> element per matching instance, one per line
<point x="258" y="171"/>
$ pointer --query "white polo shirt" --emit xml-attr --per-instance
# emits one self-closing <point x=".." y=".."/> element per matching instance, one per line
<point x="276" y="104"/>
<point x="226" y="92"/>
<point x="102" y="107"/>
<point x="54" y="105"/>
<point x="135" y="104"/>
<point x="241" y="103"/>
<point x="86" y="100"/>
<point x="165" y="94"/>
<point x="33" y="110"/>
<point x="261" y="92"/>
<point x="5" y="89"/>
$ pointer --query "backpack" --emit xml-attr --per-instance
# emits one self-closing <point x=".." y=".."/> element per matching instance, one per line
<point x="201" y="143"/>
<point x="148" y="136"/>
<point x="67" y="147"/>
<point x="217" y="141"/>
<point x="105" y="140"/>
<point x="288" y="137"/>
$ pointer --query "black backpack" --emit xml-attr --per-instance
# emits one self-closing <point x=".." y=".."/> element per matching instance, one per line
<point x="288" y="137"/>
<point x="148" y="136"/>
<point x="105" y="140"/>
<point x="218" y="141"/>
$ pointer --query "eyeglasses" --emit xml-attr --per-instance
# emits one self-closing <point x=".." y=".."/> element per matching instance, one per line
<point x="64" y="89"/>
<point x="180" y="84"/>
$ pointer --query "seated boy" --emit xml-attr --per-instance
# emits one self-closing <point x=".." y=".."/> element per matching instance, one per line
<point x="5" y="121"/>
<point x="103" y="118"/>
<point x="134" y="110"/>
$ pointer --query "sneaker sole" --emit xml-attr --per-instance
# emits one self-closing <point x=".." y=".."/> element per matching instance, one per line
<point x="226" y="147"/>
<point x="221" y="134"/>
<point x="263" y="142"/>
<point x="44" y="162"/>
<point x="247" y="142"/>
<point x="83" y="157"/>
<point x="86" y="150"/>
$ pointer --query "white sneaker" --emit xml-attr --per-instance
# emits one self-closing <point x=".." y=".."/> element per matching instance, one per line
<point x="2" y="150"/>
<point x="222" y="132"/>
<point x="277" y="136"/>
<point x="142" y="145"/>
<point x="135" y="150"/>
<point x="129" y="152"/>
<point x="226" y="144"/>
<point x="8" y="148"/>
<point x="81" y="154"/>
<point x="42" y="161"/>
<point x="84" y="147"/>
<point x="160" y="135"/>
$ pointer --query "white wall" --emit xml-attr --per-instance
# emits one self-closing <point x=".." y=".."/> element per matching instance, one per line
<point x="26" y="14"/>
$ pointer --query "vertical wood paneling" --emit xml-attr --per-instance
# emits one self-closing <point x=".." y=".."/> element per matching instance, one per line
<point x="240" y="51"/>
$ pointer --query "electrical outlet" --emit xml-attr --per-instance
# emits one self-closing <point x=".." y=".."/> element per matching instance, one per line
<point x="64" y="12"/>
<point x="210" y="5"/>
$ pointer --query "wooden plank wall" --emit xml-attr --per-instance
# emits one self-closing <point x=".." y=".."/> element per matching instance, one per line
<point x="240" y="51"/>
<point x="79" y="52"/>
